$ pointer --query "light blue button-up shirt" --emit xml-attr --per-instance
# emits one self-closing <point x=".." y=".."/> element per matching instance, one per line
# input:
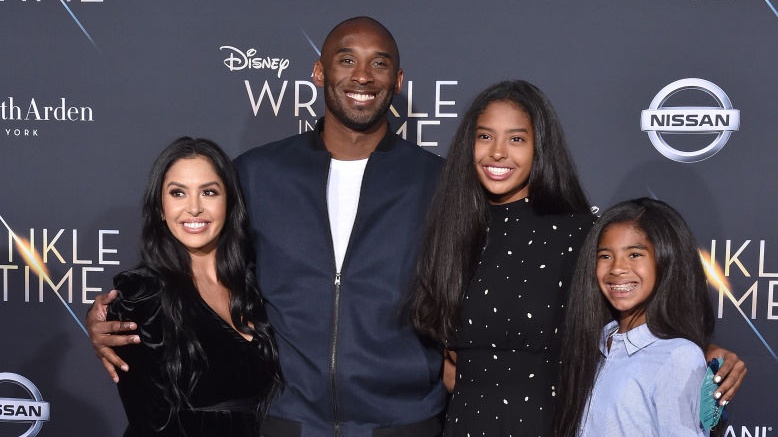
<point x="646" y="386"/>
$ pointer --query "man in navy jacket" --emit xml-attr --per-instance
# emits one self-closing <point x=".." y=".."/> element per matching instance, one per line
<point x="337" y="216"/>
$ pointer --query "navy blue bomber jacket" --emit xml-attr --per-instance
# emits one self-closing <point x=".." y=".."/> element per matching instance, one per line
<point x="353" y="364"/>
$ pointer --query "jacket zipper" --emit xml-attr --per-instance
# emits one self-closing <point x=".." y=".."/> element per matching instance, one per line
<point x="336" y="306"/>
<point x="333" y="349"/>
<point x="335" y="316"/>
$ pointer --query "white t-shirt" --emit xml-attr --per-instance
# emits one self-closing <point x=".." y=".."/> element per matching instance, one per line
<point x="343" y="186"/>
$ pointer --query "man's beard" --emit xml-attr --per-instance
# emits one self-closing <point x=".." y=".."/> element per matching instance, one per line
<point x="358" y="120"/>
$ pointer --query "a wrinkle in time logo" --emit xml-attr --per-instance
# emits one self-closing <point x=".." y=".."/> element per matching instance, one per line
<point x="62" y="261"/>
<point x="748" y="431"/>
<point x="661" y="122"/>
<point x="304" y="95"/>
<point x="18" y="413"/>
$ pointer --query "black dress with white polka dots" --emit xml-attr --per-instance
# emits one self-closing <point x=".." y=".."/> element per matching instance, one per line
<point x="507" y="345"/>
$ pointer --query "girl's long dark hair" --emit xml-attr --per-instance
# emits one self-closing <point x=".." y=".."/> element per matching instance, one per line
<point x="457" y="221"/>
<point x="679" y="306"/>
<point x="167" y="257"/>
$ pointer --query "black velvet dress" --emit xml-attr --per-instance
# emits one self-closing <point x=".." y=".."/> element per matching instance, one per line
<point x="507" y="344"/>
<point x="225" y="400"/>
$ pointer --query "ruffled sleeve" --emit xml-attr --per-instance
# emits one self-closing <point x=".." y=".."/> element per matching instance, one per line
<point x="139" y="301"/>
<point x="142" y="387"/>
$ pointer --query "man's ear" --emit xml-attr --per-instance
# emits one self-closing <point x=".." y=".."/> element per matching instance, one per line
<point x="398" y="87"/>
<point x="318" y="73"/>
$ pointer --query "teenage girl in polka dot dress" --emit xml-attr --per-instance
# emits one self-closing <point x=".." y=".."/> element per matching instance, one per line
<point x="503" y="236"/>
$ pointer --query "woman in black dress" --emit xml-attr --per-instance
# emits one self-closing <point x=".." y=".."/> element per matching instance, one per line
<point x="207" y="364"/>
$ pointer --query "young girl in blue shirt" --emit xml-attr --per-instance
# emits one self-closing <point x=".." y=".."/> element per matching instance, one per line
<point x="637" y="322"/>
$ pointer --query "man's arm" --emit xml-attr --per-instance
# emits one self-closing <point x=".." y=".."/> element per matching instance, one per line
<point x="102" y="334"/>
<point x="730" y="375"/>
<point x="449" y="369"/>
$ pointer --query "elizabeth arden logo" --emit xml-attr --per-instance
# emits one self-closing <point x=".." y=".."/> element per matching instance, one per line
<point x="20" y="117"/>
<point x="32" y="110"/>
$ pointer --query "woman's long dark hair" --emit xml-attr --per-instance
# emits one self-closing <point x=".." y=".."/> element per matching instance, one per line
<point x="679" y="306"/>
<point x="457" y="221"/>
<point x="165" y="255"/>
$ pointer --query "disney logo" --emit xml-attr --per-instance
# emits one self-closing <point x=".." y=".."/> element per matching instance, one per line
<point x="239" y="60"/>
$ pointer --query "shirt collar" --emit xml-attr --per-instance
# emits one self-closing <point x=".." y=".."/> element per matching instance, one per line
<point x="386" y="144"/>
<point x="633" y="340"/>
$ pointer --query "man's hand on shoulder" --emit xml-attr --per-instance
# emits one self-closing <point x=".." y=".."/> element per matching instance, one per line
<point x="104" y="337"/>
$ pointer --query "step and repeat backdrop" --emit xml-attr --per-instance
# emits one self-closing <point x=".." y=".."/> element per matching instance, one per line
<point x="674" y="99"/>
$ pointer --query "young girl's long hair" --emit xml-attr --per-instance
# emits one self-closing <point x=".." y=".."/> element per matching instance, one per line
<point x="168" y="258"/>
<point x="456" y="223"/>
<point x="679" y="307"/>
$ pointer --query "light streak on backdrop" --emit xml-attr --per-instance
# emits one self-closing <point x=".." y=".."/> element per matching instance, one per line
<point x="310" y="41"/>
<point x="33" y="259"/>
<point x="772" y="7"/>
<point x="716" y="277"/>
<point x="83" y="29"/>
